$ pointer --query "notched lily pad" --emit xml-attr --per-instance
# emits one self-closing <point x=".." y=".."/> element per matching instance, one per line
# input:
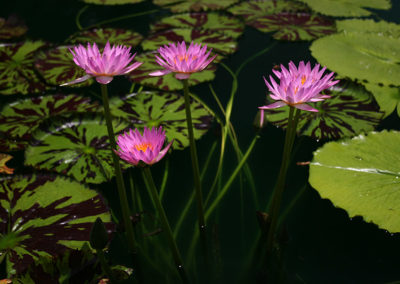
<point x="112" y="2"/>
<point x="230" y="26"/>
<point x="350" y="111"/>
<point x="57" y="67"/>
<point x="16" y="68"/>
<point x="294" y="26"/>
<point x="153" y="109"/>
<point x="167" y="82"/>
<point x="195" y="5"/>
<point x="102" y="35"/>
<point x="250" y="10"/>
<point x="75" y="147"/>
<point x="362" y="176"/>
<point x="388" y="98"/>
<point x="347" y="8"/>
<point x="13" y="27"/>
<point x="22" y="117"/>
<point x="44" y="216"/>
<point x="219" y="42"/>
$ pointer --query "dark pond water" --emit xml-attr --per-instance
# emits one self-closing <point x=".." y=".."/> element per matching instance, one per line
<point x="323" y="245"/>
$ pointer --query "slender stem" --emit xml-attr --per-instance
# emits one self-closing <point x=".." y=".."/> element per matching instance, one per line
<point x="104" y="265"/>
<point x="78" y="17"/>
<point x="164" y="222"/>
<point x="195" y="163"/>
<point x="118" y="173"/>
<point x="280" y="185"/>
<point x="164" y="180"/>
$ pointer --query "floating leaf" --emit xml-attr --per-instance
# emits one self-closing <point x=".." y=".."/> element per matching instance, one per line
<point x="11" y="28"/>
<point x="294" y="26"/>
<point x="77" y="148"/>
<point x="16" y="68"/>
<point x="388" y="98"/>
<point x="219" y="42"/>
<point x="112" y="2"/>
<point x="361" y="175"/>
<point x="210" y="21"/>
<point x="57" y="67"/>
<point x="347" y="8"/>
<point x="4" y="158"/>
<point x="350" y="111"/>
<point x="8" y="144"/>
<point x="195" y="5"/>
<point x="364" y="56"/>
<point x="153" y="109"/>
<point x="255" y="9"/>
<point x="369" y="26"/>
<point x="44" y="215"/>
<point x="22" y="117"/>
<point x="102" y="35"/>
<point x="167" y="82"/>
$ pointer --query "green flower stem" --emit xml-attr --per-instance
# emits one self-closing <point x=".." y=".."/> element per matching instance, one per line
<point x="104" y="265"/>
<point x="195" y="163"/>
<point x="118" y="173"/>
<point x="280" y="185"/>
<point x="164" y="222"/>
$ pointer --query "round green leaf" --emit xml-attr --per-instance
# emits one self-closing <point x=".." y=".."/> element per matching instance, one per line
<point x="154" y="109"/>
<point x="112" y="2"/>
<point x="22" y="117"/>
<point x="230" y="26"/>
<point x="361" y="175"/>
<point x="255" y="9"/>
<point x="364" y="56"/>
<point x="347" y="8"/>
<point x="388" y="98"/>
<point x="16" y="68"/>
<point x="79" y="148"/>
<point x="167" y="82"/>
<point x="294" y="26"/>
<point x="350" y="111"/>
<point x="11" y="28"/>
<point x="101" y="35"/>
<point x="44" y="215"/>
<point x="57" y="67"/>
<point x="369" y="26"/>
<point x="219" y="42"/>
<point x="195" y="5"/>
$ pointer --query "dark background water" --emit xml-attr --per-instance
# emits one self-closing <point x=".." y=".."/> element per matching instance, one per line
<point x="324" y="244"/>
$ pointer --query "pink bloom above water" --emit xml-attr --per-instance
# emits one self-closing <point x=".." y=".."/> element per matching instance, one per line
<point x="103" y="66"/>
<point x="176" y="59"/>
<point x="134" y="147"/>
<point x="299" y="86"/>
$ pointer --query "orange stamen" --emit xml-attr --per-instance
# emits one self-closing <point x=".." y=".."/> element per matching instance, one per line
<point x="303" y="79"/>
<point x="143" y="146"/>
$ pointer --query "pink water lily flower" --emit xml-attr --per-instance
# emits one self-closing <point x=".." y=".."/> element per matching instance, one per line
<point x="103" y="66"/>
<point x="176" y="59"/>
<point x="134" y="147"/>
<point x="299" y="86"/>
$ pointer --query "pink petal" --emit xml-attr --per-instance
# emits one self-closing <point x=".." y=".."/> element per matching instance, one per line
<point x="274" y="105"/>
<point x="79" y="80"/>
<point x="160" y="73"/>
<point x="182" y="76"/>
<point x="305" y="107"/>
<point x="104" y="79"/>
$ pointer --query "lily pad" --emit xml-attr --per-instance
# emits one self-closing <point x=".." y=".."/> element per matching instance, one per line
<point x="57" y="67"/>
<point x="230" y="26"/>
<point x="347" y="8"/>
<point x="4" y="158"/>
<point x="8" y="144"/>
<point x="350" y="111"/>
<point x="11" y="28"/>
<point x="250" y="10"/>
<point x="294" y="26"/>
<point x="167" y="82"/>
<point x="362" y="176"/>
<point x="388" y="98"/>
<point x="195" y="5"/>
<point x="369" y="26"/>
<point x="366" y="56"/>
<point x="16" y="68"/>
<point x="219" y="42"/>
<point x="102" y="35"/>
<point x="44" y="216"/>
<point x="153" y="109"/>
<point x="22" y="117"/>
<point x="78" y="148"/>
<point x="112" y="2"/>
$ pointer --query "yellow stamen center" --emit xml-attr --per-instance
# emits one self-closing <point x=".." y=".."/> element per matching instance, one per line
<point x="303" y="79"/>
<point x="143" y="146"/>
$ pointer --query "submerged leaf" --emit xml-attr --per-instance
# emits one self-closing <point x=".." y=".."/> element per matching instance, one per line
<point x="112" y="2"/>
<point x="101" y="35"/>
<point x="350" y="111"/>
<point x="195" y="5"/>
<point x="153" y="109"/>
<point x="362" y="176"/>
<point x="75" y="147"/>
<point x="46" y="215"/>
<point x="11" y="28"/>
